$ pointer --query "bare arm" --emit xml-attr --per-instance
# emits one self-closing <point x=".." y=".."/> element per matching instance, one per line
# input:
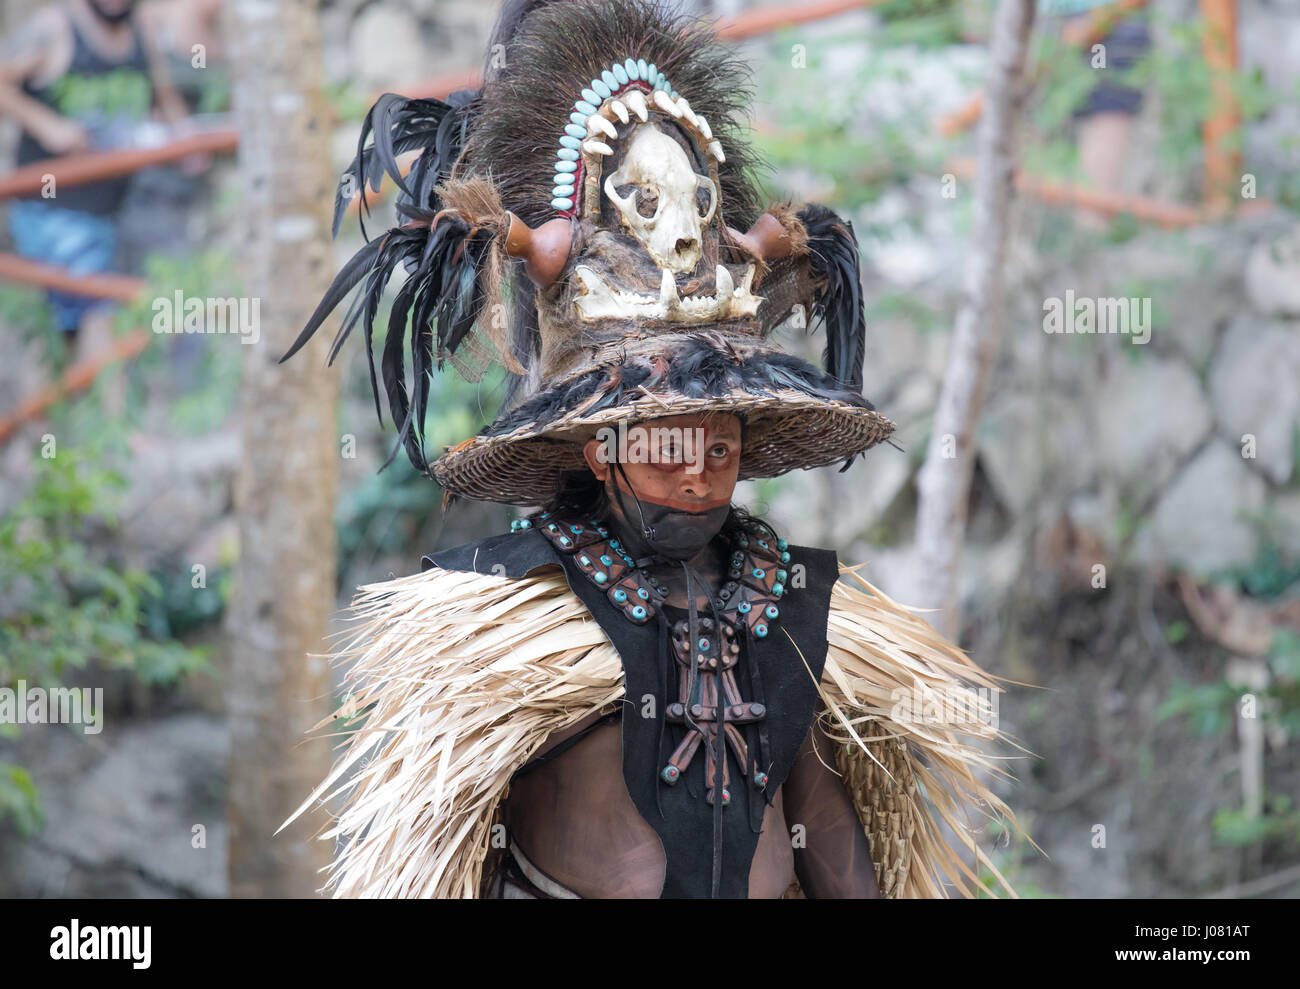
<point x="835" y="862"/>
<point x="33" y="53"/>
<point x="171" y="107"/>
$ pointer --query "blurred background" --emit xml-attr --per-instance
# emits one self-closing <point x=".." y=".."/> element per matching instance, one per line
<point x="181" y="518"/>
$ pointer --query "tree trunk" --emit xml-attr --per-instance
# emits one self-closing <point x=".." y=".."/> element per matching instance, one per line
<point x="285" y="578"/>
<point x="945" y="478"/>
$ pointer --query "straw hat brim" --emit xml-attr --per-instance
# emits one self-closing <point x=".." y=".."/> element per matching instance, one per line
<point x="785" y="430"/>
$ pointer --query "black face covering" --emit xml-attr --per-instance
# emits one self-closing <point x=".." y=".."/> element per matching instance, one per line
<point x="108" y="17"/>
<point x="665" y="531"/>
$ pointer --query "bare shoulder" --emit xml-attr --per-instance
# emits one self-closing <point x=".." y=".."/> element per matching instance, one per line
<point x="35" y="50"/>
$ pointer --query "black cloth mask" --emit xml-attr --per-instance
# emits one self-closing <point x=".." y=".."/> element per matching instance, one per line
<point x="664" y="531"/>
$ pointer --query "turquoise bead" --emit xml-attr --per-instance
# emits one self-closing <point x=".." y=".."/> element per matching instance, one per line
<point x="525" y="523"/>
<point x="620" y="74"/>
<point x="586" y="109"/>
<point x="669" y="774"/>
<point x="744" y="607"/>
<point x="642" y="593"/>
<point x="562" y="203"/>
<point x="778" y="589"/>
<point x="771" y="611"/>
<point x="569" y="141"/>
<point x="782" y="544"/>
<point x="650" y="74"/>
<point x="780" y="575"/>
<point x="566" y="541"/>
<point x="578" y="118"/>
<point x="573" y="130"/>
<point x="760" y="631"/>
<point x="567" y="154"/>
<point x="610" y="80"/>
<point x="638" y="612"/>
<point x="566" y="166"/>
<point x="620" y="595"/>
<point x="642" y="70"/>
<point x="759" y="573"/>
<point x="599" y="86"/>
<point x="785" y="557"/>
<point x="606" y="559"/>
<point x="564" y="182"/>
<point x="601" y="578"/>
<point x="592" y="97"/>
<point x="585" y="560"/>
<point x="704" y="645"/>
<point x="632" y="70"/>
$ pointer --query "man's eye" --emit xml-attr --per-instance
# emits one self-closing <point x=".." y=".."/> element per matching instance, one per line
<point x="720" y="450"/>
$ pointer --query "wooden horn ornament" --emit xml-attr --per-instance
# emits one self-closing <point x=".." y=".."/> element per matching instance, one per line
<point x="767" y="239"/>
<point x="544" y="251"/>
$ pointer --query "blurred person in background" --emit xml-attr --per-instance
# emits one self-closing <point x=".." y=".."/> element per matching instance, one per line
<point x="1105" y="121"/>
<point x="79" y="76"/>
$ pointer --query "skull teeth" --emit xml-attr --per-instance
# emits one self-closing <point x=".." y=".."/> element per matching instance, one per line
<point x="598" y="124"/>
<point x="599" y="301"/>
<point x="637" y="102"/>
<point x="668" y="297"/>
<point x="725" y="285"/>
<point x="597" y="148"/>
<point x="664" y="102"/>
<point x="715" y="149"/>
<point x="704" y="127"/>
<point x="620" y="111"/>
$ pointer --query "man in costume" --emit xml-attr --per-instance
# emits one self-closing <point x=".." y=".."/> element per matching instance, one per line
<point x="642" y="690"/>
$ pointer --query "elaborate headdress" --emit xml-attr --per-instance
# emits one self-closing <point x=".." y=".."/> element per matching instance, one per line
<point x="599" y="181"/>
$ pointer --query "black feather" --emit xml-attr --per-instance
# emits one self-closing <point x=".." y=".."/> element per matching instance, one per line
<point x="835" y="265"/>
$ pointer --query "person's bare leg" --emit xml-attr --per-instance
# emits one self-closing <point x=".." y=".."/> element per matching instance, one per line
<point x="1103" y="151"/>
<point x="94" y="338"/>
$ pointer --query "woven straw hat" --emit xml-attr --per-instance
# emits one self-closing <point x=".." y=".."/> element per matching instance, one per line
<point x="521" y="457"/>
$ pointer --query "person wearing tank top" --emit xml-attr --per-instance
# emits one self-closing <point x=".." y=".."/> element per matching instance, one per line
<point x="77" y="77"/>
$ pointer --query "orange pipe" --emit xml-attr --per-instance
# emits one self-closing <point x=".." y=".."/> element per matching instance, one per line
<point x="100" y="165"/>
<point x="77" y="378"/>
<point x="1219" y="47"/>
<point x="116" y="288"/>
<point x="1160" y="212"/>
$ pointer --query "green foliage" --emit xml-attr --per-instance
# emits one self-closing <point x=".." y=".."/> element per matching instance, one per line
<point x="1278" y="820"/>
<point x="19" y="799"/>
<point x="62" y="608"/>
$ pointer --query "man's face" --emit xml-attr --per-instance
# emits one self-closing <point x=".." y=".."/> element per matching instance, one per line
<point x="683" y="470"/>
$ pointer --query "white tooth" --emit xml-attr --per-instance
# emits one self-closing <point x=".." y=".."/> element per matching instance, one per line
<point x="665" y="103"/>
<point x="597" y="148"/>
<point x="746" y="282"/>
<point x="620" y="111"/>
<point x="705" y="129"/>
<point x="637" y="102"/>
<point x="668" y="292"/>
<point x="725" y="284"/>
<point x="686" y="110"/>
<point x="597" y="123"/>
<point x="715" y="149"/>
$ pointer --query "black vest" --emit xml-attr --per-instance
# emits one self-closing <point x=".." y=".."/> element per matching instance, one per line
<point x="679" y="814"/>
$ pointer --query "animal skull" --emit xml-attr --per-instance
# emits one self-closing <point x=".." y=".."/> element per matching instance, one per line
<point x="655" y="163"/>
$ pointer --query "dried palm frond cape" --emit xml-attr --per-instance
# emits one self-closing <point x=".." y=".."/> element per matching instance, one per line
<point x="461" y="677"/>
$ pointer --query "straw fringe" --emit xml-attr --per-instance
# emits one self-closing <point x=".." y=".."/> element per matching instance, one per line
<point x="461" y="677"/>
